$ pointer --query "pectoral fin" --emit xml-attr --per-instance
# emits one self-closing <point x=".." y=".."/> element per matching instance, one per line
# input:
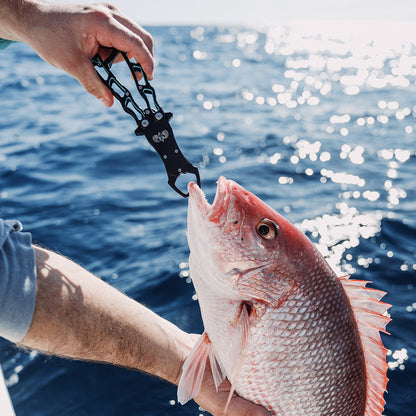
<point x="194" y="369"/>
<point x="235" y="353"/>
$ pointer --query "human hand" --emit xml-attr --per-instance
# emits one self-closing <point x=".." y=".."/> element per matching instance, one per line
<point x="68" y="36"/>
<point x="215" y="402"/>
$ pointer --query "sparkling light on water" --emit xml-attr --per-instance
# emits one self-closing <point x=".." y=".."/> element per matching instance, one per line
<point x="335" y="234"/>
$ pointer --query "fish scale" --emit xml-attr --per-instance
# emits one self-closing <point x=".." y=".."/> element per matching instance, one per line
<point x="290" y="359"/>
<point x="279" y="324"/>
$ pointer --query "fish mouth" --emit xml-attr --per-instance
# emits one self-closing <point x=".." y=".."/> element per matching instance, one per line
<point x="212" y="212"/>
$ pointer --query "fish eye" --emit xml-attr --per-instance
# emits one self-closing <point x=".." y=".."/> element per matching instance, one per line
<point x="267" y="229"/>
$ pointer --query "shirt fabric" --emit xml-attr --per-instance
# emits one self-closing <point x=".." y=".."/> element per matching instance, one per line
<point x="4" y="43"/>
<point x="17" y="281"/>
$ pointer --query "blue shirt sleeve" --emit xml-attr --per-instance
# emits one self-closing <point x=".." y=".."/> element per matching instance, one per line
<point x="17" y="281"/>
<point x="4" y="43"/>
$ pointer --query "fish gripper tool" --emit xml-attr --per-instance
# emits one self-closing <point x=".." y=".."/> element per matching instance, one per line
<point x="152" y="121"/>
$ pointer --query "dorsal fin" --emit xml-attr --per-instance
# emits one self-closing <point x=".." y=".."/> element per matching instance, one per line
<point x="371" y="319"/>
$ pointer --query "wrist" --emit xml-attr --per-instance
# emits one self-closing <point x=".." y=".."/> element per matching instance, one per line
<point x="169" y="352"/>
<point x="184" y="345"/>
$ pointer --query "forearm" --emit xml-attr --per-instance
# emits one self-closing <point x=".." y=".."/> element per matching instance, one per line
<point x="78" y="315"/>
<point x="15" y="18"/>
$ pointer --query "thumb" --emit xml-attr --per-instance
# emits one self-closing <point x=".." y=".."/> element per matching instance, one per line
<point x="87" y="76"/>
<point x="241" y="407"/>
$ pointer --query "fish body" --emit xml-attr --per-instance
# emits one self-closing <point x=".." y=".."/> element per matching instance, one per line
<point x="279" y="324"/>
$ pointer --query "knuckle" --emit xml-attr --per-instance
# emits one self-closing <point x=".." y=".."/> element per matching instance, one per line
<point x="98" y="13"/>
<point x="109" y="6"/>
<point x="100" y="16"/>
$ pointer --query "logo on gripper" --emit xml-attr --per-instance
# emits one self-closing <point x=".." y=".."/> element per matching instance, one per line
<point x="160" y="136"/>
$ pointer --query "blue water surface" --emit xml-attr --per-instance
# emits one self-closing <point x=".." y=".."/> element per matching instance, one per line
<point x="318" y="121"/>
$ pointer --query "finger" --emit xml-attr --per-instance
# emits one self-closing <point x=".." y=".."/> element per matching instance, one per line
<point x="120" y="58"/>
<point x="132" y="26"/>
<point x="106" y="52"/>
<point x="123" y="39"/>
<point x="216" y="401"/>
<point x="87" y="76"/>
<point x="241" y="407"/>
<point x="138" y="30"/>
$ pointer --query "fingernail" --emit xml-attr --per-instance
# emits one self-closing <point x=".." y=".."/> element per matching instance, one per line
<point x="149" y="75"/>
<point x="106" y="102"/>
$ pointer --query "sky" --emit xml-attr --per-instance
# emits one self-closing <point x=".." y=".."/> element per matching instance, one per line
<point x="168" y="12"/>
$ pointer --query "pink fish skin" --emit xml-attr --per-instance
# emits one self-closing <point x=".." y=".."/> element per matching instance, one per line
<point x="279" y="324"/>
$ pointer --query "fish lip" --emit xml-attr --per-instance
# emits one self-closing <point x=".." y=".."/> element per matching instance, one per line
<point x="221" y="200"/>
<point x="211" y="212"/>
<point x="197" y="196"/>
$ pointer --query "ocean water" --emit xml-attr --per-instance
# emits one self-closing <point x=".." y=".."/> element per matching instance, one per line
<point x="319" y="120"/>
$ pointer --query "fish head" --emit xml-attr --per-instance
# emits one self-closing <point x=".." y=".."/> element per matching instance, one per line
<point x="244" y="246"/>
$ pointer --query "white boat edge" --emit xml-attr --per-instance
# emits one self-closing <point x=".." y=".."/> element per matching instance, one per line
<point x="6" y="406"/>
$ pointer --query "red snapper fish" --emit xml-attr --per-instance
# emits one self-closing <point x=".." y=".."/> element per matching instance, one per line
<point x="279" y="324"/>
